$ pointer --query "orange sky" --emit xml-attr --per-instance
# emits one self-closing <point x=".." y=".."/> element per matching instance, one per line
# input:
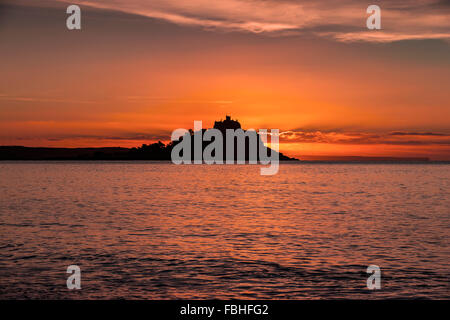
<point x="136" y="71"/>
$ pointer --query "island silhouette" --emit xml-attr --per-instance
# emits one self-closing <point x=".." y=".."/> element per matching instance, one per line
<point x="155" y="151"/>
<point x="250" y="152"/>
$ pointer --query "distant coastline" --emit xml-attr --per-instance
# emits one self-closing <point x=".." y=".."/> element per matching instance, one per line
<point x="366" y="159"/>
<point x="156" y="151"/>
<point x="159" y="152"/>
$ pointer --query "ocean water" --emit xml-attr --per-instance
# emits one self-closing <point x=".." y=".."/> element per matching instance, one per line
<point x="160" y="231"/>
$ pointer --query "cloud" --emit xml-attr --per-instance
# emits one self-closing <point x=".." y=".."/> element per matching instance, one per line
<point x="398" y="133"/>
<point x="289" y="137"/>
<point x="156" y="136"/>
<point x="405" y="20"/>
<point x="365" y="138"/>
<point x="42" y="99"/>
<point x="383" y="36"/>
<point x="172" y="100"/>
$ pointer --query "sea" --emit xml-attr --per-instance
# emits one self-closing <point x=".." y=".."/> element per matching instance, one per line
<point x="155" y="230"/>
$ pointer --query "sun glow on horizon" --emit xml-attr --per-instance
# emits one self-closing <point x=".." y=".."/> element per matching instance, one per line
<point x="128" y="79"/>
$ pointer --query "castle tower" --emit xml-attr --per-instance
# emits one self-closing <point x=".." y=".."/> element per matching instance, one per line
<point x="228" y="123"/>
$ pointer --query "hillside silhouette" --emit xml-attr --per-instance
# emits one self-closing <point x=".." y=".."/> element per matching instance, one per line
<point x="230" y="124"/>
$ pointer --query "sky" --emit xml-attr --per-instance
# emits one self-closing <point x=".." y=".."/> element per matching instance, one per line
<point x="137" y="70"/>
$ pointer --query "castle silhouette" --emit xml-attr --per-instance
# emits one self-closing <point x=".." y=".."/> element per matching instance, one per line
<point x="228" y="123"/>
